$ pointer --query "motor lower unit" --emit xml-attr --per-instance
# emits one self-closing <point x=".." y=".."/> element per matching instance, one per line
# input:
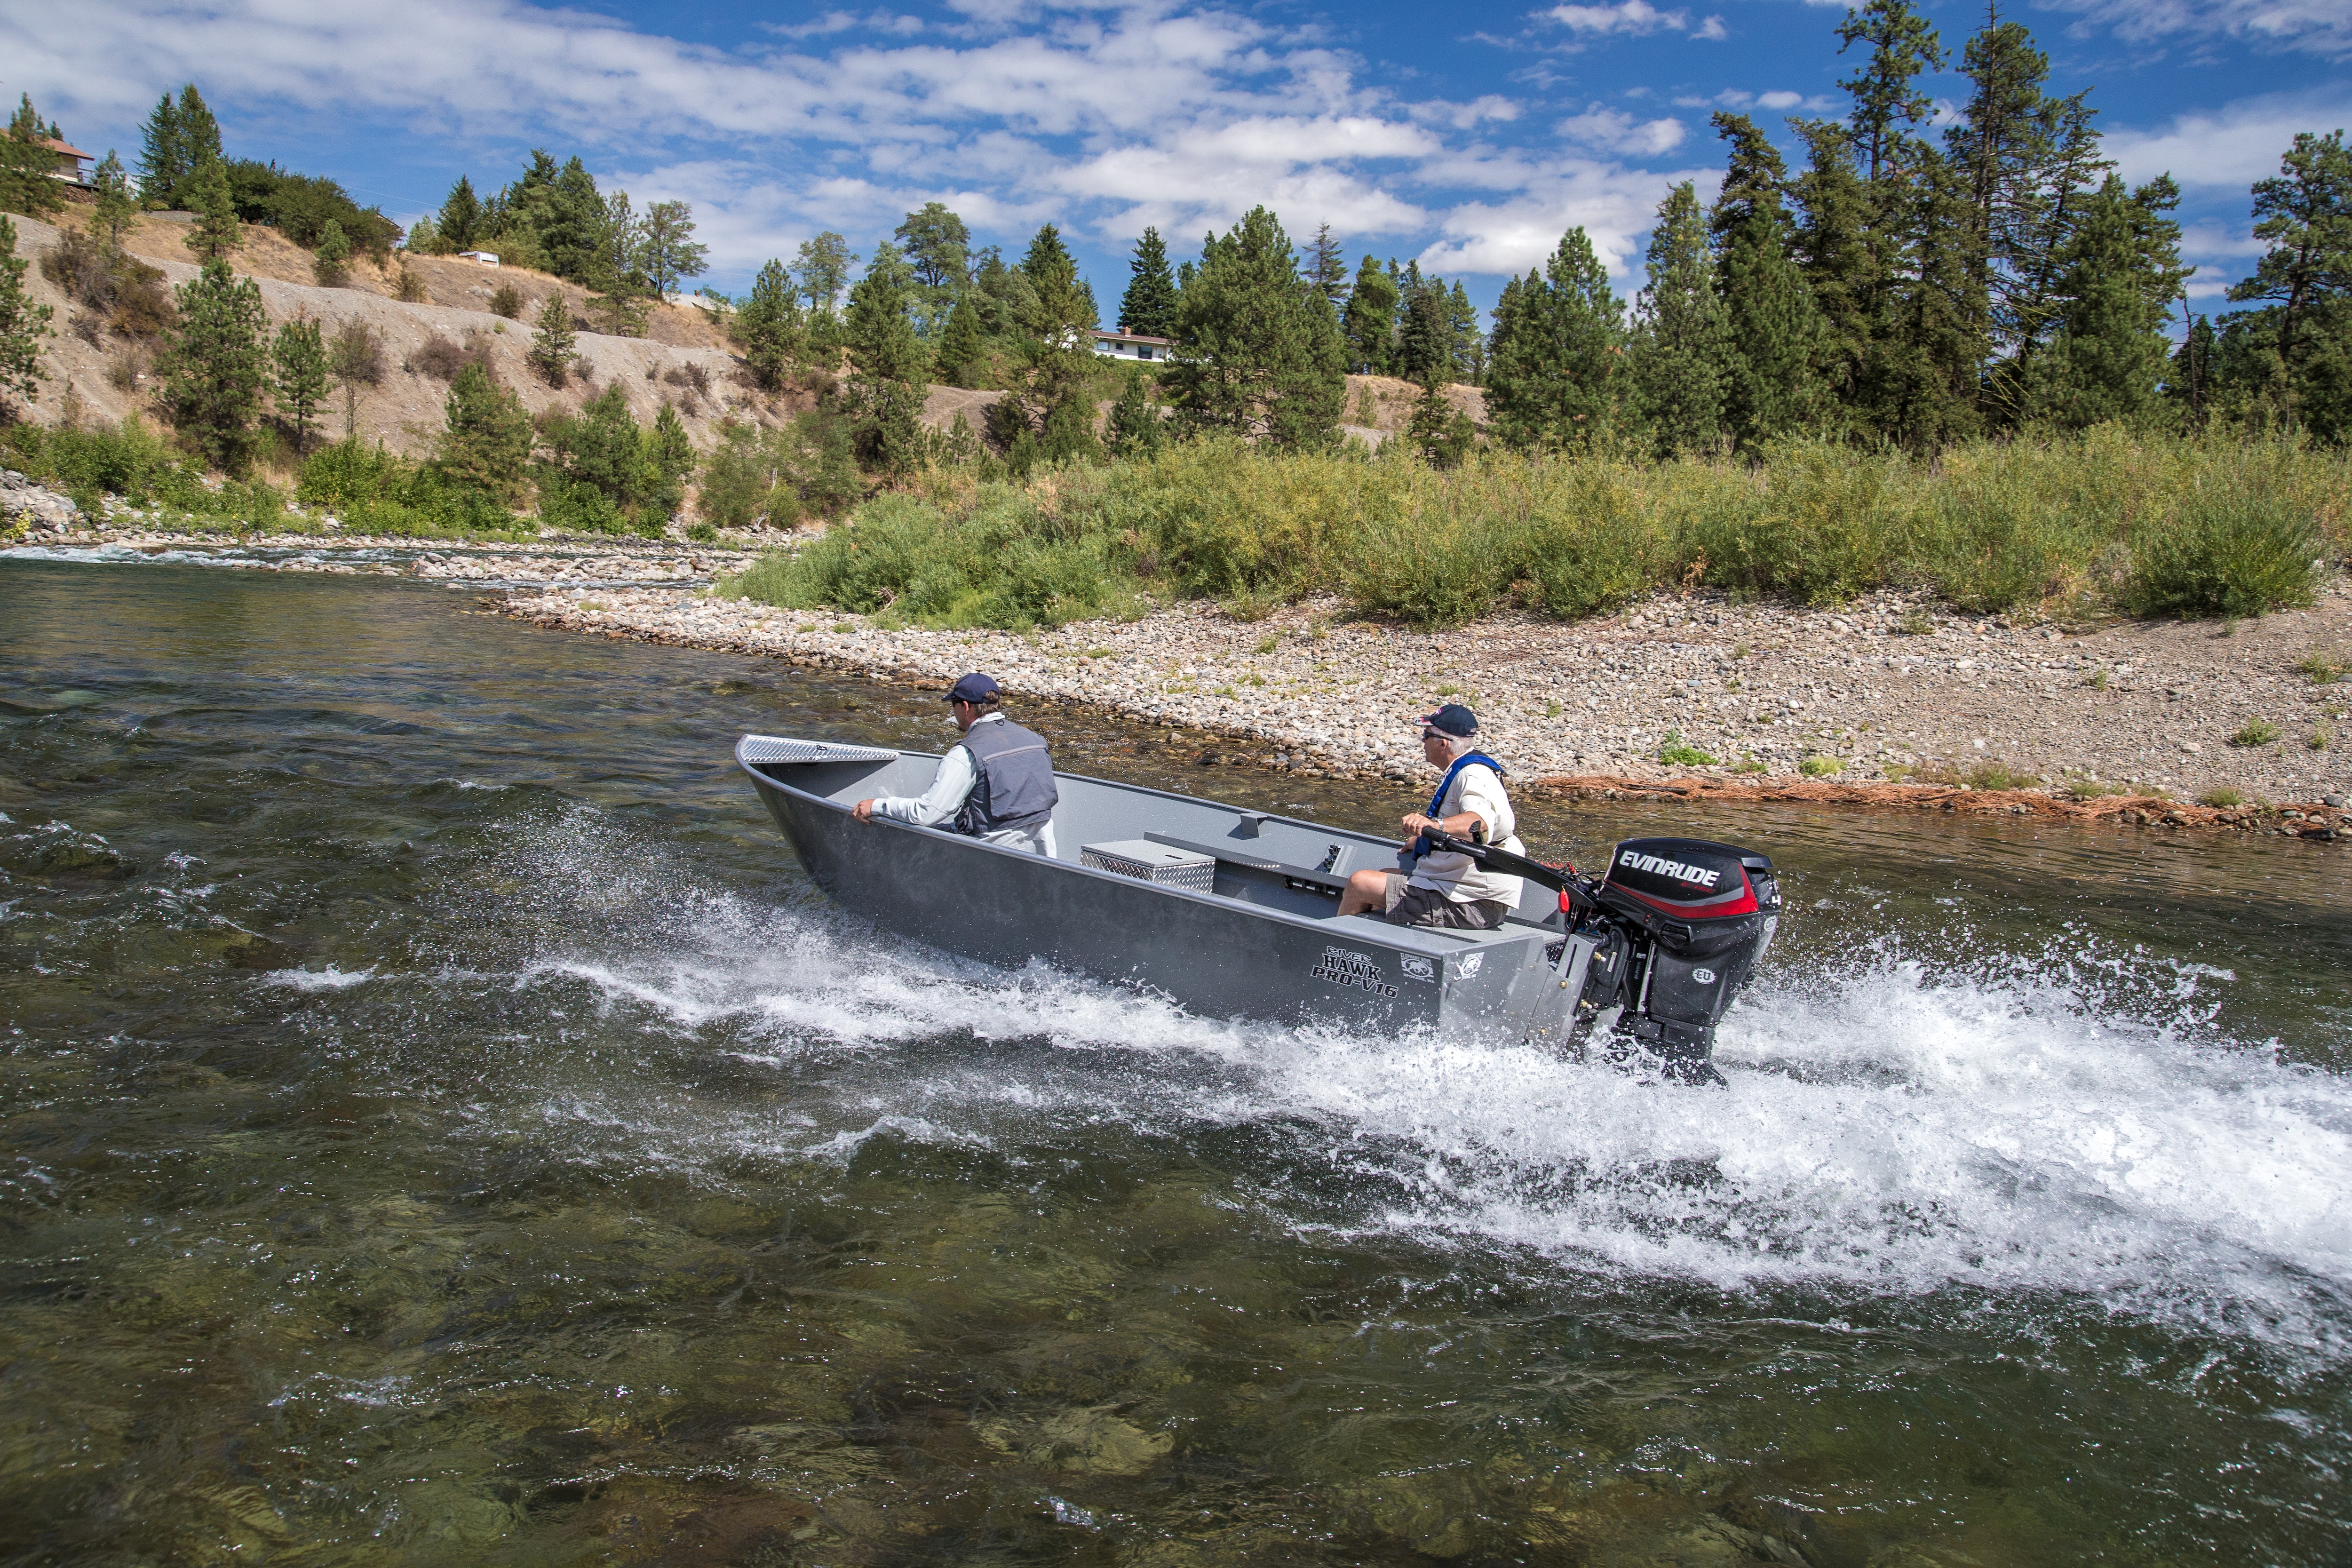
<point x="1668" y="935"/>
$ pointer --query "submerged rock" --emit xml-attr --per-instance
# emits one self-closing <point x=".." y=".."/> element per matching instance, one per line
<point x="1092" y="1441"/>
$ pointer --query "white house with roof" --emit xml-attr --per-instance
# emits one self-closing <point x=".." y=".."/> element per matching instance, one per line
<point x="69" y="160"/>
<point x="1124" y="345"/>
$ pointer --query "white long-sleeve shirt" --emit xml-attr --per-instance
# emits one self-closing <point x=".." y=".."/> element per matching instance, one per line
<point x="949" y="787"/>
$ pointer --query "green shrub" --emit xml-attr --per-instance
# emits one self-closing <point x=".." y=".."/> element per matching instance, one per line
<point x="2223" y="798"/>
<point x="1820" y="767"/>
<point x="999" y="563"/>
<point x="1992" y="541"/>
<point x="1591" y="550"/>
<point x="371" y="490"/>
<point x="2235" y="551"/>
<point x="1679" y="752"/>
<point x="129" y="461"/>
<point x="2000" y="776"/>
<point x="2255" y="733"/>
<point x="1829" y="526"/>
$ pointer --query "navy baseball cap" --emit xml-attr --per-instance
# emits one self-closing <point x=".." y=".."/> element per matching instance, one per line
<point x="1452" y="719"/>
<point x="973" y="687"/>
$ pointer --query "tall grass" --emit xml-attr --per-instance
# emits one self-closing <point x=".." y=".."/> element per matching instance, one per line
<point x="2107" y="521"/>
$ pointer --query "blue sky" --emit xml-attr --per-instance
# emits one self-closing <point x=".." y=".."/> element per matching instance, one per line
<point x="1469" y="137"/>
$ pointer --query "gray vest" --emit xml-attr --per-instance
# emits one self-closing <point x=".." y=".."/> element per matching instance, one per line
<point x="1015" y="786"/>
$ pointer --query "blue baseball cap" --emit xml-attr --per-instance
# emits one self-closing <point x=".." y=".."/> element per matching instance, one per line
<point x="974" y="687"/>
<point x="1452" y="719"/>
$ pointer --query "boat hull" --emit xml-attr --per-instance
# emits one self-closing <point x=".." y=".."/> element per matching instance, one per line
<point x="1215" y="954"/>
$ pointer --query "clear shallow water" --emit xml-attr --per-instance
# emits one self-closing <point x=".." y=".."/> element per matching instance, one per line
<point x="441" y="1124"/>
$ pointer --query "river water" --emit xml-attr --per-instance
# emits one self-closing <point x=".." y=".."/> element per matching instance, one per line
<point x="442" y="1124"/>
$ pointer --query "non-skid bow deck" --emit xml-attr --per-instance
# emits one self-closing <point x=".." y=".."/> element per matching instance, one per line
<point x="1263" y="939"/>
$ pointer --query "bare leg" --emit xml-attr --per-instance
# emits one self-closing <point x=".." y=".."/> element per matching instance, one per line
<point x="1368" y="893"/>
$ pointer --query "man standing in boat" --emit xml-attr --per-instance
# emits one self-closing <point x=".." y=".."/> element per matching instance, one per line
<point x="1449" y="888"/>
<point x="997" y="784"/>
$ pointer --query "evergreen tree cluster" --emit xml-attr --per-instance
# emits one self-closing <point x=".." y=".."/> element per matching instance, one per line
<point x="1921" y="289"/>
<point x="554" y="218"/>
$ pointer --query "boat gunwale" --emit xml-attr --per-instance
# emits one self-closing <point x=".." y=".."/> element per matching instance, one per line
<point x="1443" y="940"/>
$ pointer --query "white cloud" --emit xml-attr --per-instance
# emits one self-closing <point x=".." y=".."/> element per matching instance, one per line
<point x="1102" y="117"/>
<point x="2321" y="27"/>
<point x="1614" y="206"/>
<point x="2234" y="145"/>
<point x="1617" y="132"/>
<point x="1633" y="18"/>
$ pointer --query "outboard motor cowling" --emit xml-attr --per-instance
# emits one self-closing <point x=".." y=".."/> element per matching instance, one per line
<point x="1708" y="912"/>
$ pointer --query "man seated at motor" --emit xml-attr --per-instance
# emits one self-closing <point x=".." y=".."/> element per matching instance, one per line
<point x="1448" y="888"/>
<point x="997" y="784"/>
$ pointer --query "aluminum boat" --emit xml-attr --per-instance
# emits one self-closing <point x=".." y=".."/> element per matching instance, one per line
<point x="1231" y="912"/>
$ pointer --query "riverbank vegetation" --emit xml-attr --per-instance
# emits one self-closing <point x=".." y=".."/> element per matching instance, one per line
<point x="2097" y="523"/>
<point x="1933" y="356"/>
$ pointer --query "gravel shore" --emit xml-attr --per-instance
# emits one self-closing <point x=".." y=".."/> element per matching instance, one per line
<point x="1892" y="700"/>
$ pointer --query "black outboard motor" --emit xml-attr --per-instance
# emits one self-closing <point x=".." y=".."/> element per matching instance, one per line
<point x="1683" y="923"/>
<point x="1658" y="947"/>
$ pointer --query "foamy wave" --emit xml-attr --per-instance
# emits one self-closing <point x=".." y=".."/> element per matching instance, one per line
<point x="2070" y="1121"/>
<point x="314" y="980"/>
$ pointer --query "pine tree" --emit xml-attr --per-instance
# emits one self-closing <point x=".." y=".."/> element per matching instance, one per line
<point x="888" y="389"/>
<point x="1832" y="245"/>
<point x="1681" y="342"/>
<point x="214" y="363"/>
<point x="667" y="248"/>
<point x="26" y="165"/>
<point x="2304" y="215"/>
<point x="1263" y="356"/>
<point x="218" y="230"/>
<point x="23" y="325"/>
<point x="115" y="206"/>
<point x="300" y="362"/>
<point x="1149" y="306"/>
<point x="1424" y="339"/>
<point x="1051" y="391"/>
<point x="485" y="436"/>
<point x="551" y="351"/>
<point x="939" y="248"/>
<point x="1329" y="269"/>
<point x="1469" y="342"/>
<point x="1556" y="377"/>
<point x="770" y="328"/>
<point x="2106" y="360"/>
<point x="1369" y="320"/>
<point x="1776" y="339"/>
<point x="962" y="346"/>
<point x="460" y="223"/>
<point x="1440" y="434"/>
<point x="200" y="137"/>
<point x="823" y="269"/>
<point x="178" y="140"/>
<point x="334" y="250"/>
<point x="1136" y="430"/>
<point x="668" y="459"/>
<point x="163" y="159"/>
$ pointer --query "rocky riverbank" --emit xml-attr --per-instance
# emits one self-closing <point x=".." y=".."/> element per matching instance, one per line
<point x="1891" y="700"/>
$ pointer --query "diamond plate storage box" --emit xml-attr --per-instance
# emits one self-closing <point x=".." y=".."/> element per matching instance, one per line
<point x="1150" y="862"/>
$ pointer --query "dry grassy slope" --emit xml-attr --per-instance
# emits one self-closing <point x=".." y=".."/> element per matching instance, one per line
<point x="405" y="410"/>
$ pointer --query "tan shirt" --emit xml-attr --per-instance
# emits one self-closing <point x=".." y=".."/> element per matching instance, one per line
<point x="1480" y="789"/>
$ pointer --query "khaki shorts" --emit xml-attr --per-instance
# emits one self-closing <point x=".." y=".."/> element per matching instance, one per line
<point x="1411" y="905"/>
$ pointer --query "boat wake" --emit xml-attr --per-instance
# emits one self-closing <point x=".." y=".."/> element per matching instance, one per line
<point x="2067" y="1122"/>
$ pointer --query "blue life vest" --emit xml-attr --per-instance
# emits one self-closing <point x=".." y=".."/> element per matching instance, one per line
<point x="1421" y="846"/>
<point x="1014" y="784"/>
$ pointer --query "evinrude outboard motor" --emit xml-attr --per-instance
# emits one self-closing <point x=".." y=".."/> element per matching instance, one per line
<point x="1682" y="924"/>
<point x="1658" y="948"/>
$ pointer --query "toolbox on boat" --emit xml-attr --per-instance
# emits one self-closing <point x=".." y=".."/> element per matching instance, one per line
<point x="1150" y="862"/>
